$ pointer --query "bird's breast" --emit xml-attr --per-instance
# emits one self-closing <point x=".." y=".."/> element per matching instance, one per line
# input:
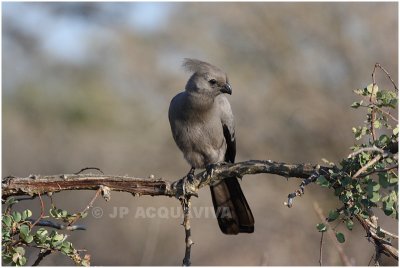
<point x="202" y="142"/>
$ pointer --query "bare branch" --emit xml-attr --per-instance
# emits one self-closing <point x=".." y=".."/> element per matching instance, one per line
<point x="41" y="211"/>
<point x="141" y="186"/>
<point x="87" y="207"/>
<point x="186" y="224"/>
<point x="320" y="248"/>
<point x="385" y="246"/>
<point x="378" y="65"/>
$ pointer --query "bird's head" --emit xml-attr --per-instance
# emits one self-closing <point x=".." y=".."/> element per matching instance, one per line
<point x="206" y="79"/>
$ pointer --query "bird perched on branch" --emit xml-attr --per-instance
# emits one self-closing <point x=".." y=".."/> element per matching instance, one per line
<point x="202" y="125"/>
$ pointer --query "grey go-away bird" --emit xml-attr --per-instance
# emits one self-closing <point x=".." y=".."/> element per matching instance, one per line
<point x="202" y="125"/>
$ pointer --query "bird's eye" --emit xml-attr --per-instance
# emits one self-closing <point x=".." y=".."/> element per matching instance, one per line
<point x="212" y="81"/>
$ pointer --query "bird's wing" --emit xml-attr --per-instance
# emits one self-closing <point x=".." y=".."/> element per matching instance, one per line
<point x="228" y="125"/>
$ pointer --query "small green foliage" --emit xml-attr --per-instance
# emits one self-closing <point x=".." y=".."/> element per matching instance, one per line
<point x="340" y="237"/>
<point x="63" y="215"/>
<point x="26" y="214"/>
<point x="321" y="180"/>
<point x="321" y="227"/>
<point x="17" y="216"/>
<point x="349" y="224"/>
<point x="17" y="234"/>
<point x="333" y="215"/>
<point x="368" y="178"/>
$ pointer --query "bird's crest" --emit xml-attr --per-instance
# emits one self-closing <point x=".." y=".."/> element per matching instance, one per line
<point x="193" y="65"/>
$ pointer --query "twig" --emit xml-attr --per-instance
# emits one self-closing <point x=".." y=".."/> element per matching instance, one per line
<point x="87" y="207"/>
<point x="370" y="260"/>
<point x="88" y="168"/>
<point x="305" y="182"/>
<point x="342" y="255"/>
<point x="366" y="149"/>
<point x="387" y="113"/>
<point x="381" y="230"/>
<point x="320" y="248"/>
<point x="59" y="226"/>
<point x="369" y="164"/>
<point x="385" y="246"/>
<point x="378" y="171"/>
<point x="41" y="257"/>
<point x="41" y="212"/>
<point x="185" y="202"/>
<point x="378" y="65"/>
<point x="377" y="254"/>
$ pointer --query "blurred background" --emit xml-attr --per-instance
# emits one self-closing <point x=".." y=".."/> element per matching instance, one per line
<point x="89" y="84"/>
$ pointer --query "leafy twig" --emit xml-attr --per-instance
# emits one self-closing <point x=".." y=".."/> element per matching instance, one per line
<point x="342" y="255"/>
<point x="366" y="149"/>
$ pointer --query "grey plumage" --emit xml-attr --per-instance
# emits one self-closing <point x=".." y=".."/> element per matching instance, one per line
<point x="202" y="125"/>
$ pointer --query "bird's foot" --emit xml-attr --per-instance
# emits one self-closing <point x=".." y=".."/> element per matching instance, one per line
<point x="187" y="180"/>
<point x="190" y="175"/>
<point x="211" y="168"/>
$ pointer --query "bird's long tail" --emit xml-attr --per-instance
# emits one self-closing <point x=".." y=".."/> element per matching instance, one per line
<point x="231" y="208"/>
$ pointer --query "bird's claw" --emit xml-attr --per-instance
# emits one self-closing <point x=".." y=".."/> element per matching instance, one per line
<point x="211" y="168"/>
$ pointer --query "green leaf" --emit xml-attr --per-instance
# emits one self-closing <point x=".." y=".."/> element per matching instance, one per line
<point x="375" y="197"/>
<point x="344" y="181"/>
<point x="377" y="124"/>
<point x="7" y="220"/>
<point x="24" y="229"/>
<point x="53" y="212"/>
<point x="26" y="214"/>
<point x="396" y="131"/>
<point x="383" y="180"/>
<point x="321" y="227"/>
<point x="17" y="216"/>
<point x="333" y="215"/>
<point x="21" y="261"/>
<point x="322" y="181"/>
<point x="66" y="247"/>
<point x="20" y="250"/>
<point x="57" y="237"/>
<point x="41" y="232"/>
<point x="373" y="186"/>
<point x="15" y="257"/>
<point x="340" y="237"/>
<point x="11" y="201"/>
<point x="28" y="239"/>
<point x="349" y="224"/>
<point x="355" y="105"/>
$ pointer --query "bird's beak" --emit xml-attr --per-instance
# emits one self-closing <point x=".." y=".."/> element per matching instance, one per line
<point x="226" y="89"/>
